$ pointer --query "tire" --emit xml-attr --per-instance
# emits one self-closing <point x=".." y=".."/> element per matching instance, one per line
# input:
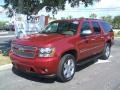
<point x="67" y="68"/>
<point x="106" y="52"/>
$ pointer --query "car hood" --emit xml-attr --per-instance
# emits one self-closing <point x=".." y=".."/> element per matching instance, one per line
<point x="39" y="39"/>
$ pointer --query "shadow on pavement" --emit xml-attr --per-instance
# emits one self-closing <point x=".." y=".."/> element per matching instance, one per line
<point x="34" y="77"/>
<point x="37" y="78"/>
<point x="81" y="67"/>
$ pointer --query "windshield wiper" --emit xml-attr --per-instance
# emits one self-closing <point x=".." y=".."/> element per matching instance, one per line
<point x="52" y="33"/>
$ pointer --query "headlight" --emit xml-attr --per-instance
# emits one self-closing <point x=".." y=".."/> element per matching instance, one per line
<point x="46" y="52"/>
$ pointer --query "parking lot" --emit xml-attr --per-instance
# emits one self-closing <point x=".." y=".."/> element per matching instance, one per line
<point x="101" y="75"/>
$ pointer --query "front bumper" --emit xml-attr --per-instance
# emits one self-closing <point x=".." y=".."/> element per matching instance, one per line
<point x="42" y="66"/>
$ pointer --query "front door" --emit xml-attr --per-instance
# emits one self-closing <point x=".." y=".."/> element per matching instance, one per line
<point x="86" y="42"/>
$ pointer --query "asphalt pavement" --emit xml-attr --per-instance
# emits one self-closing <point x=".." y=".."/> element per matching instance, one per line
<point x="5" y="39"/>
<point x="101" y="75"/>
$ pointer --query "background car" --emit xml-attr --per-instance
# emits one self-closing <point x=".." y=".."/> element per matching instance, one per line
<point x="9" y="27"/>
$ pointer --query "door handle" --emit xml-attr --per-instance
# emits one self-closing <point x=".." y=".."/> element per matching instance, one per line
<point x="101" y="37"/>
<point x="92" y="39"/>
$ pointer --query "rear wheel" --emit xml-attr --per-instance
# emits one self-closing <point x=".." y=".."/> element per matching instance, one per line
<point x="66" y="69"/>
<point x="106" y="52"/>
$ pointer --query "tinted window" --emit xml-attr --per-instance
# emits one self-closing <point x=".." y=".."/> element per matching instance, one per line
<point x="68" y="28"/>
<point x="52" y="28"/>
<point x="85" y="26"/>
<point x="106" y="26"/>
<point x="96" y="27"/>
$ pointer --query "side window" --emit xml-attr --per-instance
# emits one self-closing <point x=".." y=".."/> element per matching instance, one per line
<point x="85" y="26"/>
<point x="96" y="27"/>
<point x="63" y="26"/>
<point x="106" y="26"/>
<point x="52" y="27"/>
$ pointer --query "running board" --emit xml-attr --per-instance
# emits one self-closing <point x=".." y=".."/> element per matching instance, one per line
<point x="87" y="60"/>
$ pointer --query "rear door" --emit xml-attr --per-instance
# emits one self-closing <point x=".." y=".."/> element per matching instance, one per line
<point x="97" y="37"/>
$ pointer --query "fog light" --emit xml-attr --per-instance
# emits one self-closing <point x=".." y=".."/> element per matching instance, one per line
<point x="46" y="70"/>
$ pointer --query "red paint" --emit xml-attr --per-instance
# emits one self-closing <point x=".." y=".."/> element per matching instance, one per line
<point x="84" y="46"/>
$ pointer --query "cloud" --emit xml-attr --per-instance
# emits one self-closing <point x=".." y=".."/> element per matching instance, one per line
<point x="108" y="4"/>
<point x="1" y="9"/>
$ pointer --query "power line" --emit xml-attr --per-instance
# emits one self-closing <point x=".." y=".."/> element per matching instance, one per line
<point x="91" y="11"/>
<point x="97" y="8"/>
<point x="114" y="9"/>
<point x="94" y="10"/>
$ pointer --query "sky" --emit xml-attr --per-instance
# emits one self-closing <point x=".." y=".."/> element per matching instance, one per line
<point x="102" y="8"/>
<point x="3" y="16"/>
<point x="1" y="2"/>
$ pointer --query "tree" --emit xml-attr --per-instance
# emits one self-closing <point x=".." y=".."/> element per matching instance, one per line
<point x="2" y="24"/>
<point x="107" y="18"/>
<point x="33" y="6"/>
<point x="93" y="15"/>
<point x="116" y="22"/>
<point x="69" y="17"/>
<point x="62" y="18"/>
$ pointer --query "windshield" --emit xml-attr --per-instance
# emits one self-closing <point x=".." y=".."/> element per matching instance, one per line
<point x="67" y="28"/>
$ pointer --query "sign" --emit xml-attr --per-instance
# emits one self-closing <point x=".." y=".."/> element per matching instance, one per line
<point x="25" y="25"/>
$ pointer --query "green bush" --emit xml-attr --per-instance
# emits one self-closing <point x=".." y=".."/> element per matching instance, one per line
<point x="118" y="33"/>
<point x="2" y="24"/>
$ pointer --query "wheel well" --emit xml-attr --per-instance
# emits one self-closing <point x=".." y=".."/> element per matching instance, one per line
<point x="109" y="42"/>
<point x="73" y="52"/>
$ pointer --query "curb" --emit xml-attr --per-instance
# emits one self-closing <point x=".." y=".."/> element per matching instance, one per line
<point x="3" y="32"/>
<point x="5" y="67"/>
<point x="7" y="36"/>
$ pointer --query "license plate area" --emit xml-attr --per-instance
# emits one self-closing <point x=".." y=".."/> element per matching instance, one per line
<point x="23" y="67"/>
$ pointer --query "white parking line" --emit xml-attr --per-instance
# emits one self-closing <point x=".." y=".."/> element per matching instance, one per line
<point x="111" y="56"/>
<point x="3" y="32"/>
<point x="104" y="61"/>
<point x="7" y="36"/>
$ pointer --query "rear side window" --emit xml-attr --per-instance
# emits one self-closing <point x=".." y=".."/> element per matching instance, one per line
<point x="96" y="27"/>
<point x="85" y="26"/>
<point x="107" y="27"/>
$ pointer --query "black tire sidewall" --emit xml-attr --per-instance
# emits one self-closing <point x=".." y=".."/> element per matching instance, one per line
<point x="61" y="67"/>
<point x="104" y="57"/>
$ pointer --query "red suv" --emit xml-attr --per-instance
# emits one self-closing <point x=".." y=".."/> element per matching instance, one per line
<point x="60" y="46"/>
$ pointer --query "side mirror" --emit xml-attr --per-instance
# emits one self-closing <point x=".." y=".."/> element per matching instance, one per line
<point x="86" y="32"/>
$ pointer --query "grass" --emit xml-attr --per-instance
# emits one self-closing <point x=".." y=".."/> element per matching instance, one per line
<point x="4" y="60"/>
<point x="117" y="35"/>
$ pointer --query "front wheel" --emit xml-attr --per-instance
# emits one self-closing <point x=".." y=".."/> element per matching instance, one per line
<point x="66" y="68"/>
<point x="106" y="52"/>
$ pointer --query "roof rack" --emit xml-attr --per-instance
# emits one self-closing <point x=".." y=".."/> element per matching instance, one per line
<point x="83" y="19"/>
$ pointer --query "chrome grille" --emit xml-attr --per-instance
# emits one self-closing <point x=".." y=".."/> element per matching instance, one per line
<point x="24" y="51"/>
